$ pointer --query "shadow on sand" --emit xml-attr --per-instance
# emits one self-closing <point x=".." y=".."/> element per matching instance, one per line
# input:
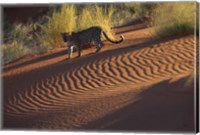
<point x="163" y="107"/>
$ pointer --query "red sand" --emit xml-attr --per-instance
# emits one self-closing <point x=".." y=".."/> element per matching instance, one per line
<point x="135" y="86"/>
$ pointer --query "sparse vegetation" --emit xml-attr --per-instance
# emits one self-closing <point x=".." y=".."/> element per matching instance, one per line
<point x="13" y="51"/>
<point x="141" y="9"/>
<point x="68" y="20"/>
<point x="96" y="16"/>
<point x="44" y="34"/>
<point x="60" y="21"/>
<point x="123" y="17"/>
<point x="19" y="40"/>
<point x="23" y="39"/>
<point x="174" y="18"/>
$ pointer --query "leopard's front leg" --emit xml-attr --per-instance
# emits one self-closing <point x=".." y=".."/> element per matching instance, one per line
<point x="70" y="50"/>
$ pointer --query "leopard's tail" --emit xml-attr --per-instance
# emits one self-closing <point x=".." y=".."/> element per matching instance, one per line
<point x="112" y="41"/>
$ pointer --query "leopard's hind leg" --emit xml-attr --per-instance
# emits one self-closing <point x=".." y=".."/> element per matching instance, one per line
<point x="79" y="50"/>
<point x="99" y="45"/>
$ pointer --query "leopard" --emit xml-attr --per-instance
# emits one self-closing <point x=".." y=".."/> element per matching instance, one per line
<point x="82" y="38"/>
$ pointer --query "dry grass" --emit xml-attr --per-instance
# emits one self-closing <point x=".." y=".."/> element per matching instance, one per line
<point x="67" y="20"/>
<point x="141" y="9"/>
<point x="20" y="40"/>
<point x="35" y="37"/>
<point x="59" y="21"/>
<point x="96" y="16"/>
<point x="14" y="51"/>
<point x="174" y="18"/>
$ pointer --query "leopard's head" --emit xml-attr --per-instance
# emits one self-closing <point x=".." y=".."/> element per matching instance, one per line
<point x="65" y="36"/>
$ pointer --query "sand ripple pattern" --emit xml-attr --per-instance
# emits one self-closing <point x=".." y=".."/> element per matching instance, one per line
<point x="141" y="66"/>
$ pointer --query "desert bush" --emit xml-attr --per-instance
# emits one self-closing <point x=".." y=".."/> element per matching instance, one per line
<point x="22" y="33"/>
<point x="13" y="51"/>
<point x="123" y="17"/>
<point x="16" y="50"/>
<point x="141" y="9"/>
<point x="63" y="20"/>
<point x="19" y="40"/>
<point x="96" y="16"/>
<point x="174" y="18"/>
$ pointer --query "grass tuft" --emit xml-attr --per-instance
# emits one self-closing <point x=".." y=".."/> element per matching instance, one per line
<point x="174" y="18"/>
<point x="96" y="16"/>
<point x="141" y="9"/>
<point x="13" y="51"/>
<point x="60" y="21"/>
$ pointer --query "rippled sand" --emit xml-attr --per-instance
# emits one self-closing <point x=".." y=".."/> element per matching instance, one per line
<point x="135" y="86"/>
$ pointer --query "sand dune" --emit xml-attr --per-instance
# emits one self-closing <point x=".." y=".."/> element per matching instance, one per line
<point x="82" y="93"/>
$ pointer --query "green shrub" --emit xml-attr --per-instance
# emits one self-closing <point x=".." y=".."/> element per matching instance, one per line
<point x="174" y="18"/>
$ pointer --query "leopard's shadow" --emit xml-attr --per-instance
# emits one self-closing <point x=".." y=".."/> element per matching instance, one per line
<point x="79" y="57"/>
